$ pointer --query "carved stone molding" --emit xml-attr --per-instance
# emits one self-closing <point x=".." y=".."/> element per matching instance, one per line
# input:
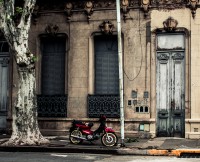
<point x="51" y="29"/>
<point x="125" y="8"/>
<point x="163" y="56"/>
<point x="193" y="6"/>
<point x="145" y="6"/>
<point x="79" y="5"/>
<point x="4" y="61"/>
<point x="106" y="27"/>
<point x="167" y="1"/>
<point x="170" y="24"/>
<point x="88" y="7"/>
<point x="178" y="56"/>
<point x="68" y="10"/>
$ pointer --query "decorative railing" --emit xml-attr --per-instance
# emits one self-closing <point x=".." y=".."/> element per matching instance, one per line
<point x="52" y="106"/>
<point x="108" y="105"/>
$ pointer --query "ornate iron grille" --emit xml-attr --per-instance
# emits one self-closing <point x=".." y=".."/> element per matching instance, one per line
<point x="108" y="105"/>
<point x="52" y="106"/>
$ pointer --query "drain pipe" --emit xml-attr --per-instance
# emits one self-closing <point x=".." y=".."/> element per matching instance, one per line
<point x="121" y="88"/>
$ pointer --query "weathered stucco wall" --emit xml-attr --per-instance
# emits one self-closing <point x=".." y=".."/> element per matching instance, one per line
<point x="136" y="58"/>
<point x="192" y="127"/>
<point x="139" y="58"/>
<point x="193" y="123"/>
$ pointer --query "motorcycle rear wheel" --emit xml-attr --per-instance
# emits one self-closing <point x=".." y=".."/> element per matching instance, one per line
<point x="109" y="139"/>
<point x="75" y="140"/>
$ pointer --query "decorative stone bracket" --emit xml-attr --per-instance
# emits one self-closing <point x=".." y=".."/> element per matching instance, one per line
<point x="106" y="27"/>
<point x="145" y="6"/>
<point x="51" y="29"/>
<point x="170" y="24"/>
<point x="125" y="8"/>
<point x="68" y="10"/>
<point x="193" y="6"/>
<point x="88" y="7"/>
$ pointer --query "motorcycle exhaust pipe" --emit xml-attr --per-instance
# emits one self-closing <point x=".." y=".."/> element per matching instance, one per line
<point x="82" y="138"/>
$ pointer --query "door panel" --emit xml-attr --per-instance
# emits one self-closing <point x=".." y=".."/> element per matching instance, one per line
<point x="170" y="92"/>
<point x="3" y="90"/>
<point x="163" y="81"/>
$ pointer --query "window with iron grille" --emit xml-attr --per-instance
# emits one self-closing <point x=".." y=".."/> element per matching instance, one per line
<point x="53" y="66"/>
<point x="52" y="101"/>
<point x="106" y="98"/>
<point x="106" y="65"/>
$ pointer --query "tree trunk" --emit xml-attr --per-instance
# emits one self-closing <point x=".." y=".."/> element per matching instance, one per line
<point x="25" y="125"/>
<point x="25" y="129"/>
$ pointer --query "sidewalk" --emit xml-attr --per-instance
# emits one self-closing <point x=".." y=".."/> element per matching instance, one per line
<point x="151" y="147"/>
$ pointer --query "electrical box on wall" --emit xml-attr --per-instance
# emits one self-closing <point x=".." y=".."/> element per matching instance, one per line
<point x="134" y="94"/>
<point x="144" y="127"/>
<point x="146" y="94"/>
<point x="129" y="102"/>
<point x="134" y="102"/>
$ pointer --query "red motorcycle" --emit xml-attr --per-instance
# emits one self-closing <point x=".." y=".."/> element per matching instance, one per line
<point x="81" y="131"/>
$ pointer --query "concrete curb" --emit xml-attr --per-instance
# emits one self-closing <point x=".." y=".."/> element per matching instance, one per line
<point x="128" y="151"/>
<point x="57" y="149"/>
<point x="155" y="152"/>
<point x="101" y="150"/>
<point x="177" y="152"/>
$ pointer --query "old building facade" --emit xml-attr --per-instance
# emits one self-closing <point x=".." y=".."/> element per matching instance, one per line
<point x="75" y="43"/>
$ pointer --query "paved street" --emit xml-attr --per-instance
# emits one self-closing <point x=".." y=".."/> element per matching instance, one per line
<point x="66" y="157"/>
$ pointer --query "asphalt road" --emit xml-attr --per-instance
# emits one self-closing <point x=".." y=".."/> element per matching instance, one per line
<point x="66" y="157"/>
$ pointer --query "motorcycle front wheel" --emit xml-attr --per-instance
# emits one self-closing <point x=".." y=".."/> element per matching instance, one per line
<point x="109" y="139"/>
<point x="73" y="137"/>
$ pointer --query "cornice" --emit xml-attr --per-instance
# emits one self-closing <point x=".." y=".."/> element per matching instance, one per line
<point x="88" y="7"/>
<point x="110" y="4"/>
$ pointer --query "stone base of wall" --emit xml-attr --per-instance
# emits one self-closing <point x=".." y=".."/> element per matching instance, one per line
<point x="192" y="135"/>
<point x="192" y="128"/>
<point x="133" y="128"/>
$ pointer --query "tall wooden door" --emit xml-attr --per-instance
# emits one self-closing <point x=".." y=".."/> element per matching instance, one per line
<point x="4" y="88"/>
<point x="170" y="93"/>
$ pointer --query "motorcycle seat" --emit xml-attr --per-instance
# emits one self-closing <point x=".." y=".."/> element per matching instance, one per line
<point x="90" y="124"/>
<point x="77" y="122"/>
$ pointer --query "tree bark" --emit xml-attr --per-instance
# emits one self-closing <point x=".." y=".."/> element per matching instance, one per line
<point x="25" y="130"/>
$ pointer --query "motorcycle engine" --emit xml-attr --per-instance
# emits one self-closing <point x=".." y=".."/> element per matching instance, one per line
<point x="89" y="137"/>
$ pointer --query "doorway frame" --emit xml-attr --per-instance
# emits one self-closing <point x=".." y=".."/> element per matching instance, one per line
<point x="153" y="60"/>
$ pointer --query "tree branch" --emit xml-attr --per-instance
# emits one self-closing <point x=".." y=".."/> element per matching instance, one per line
<point x="26" y="14"/>
<point x="6" y="23"/>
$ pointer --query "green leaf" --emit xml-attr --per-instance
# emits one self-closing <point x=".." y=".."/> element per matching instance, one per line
<point x="19" y="10"/>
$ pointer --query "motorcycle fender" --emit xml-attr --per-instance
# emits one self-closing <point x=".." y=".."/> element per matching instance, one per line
<point x="109" y="130"/>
